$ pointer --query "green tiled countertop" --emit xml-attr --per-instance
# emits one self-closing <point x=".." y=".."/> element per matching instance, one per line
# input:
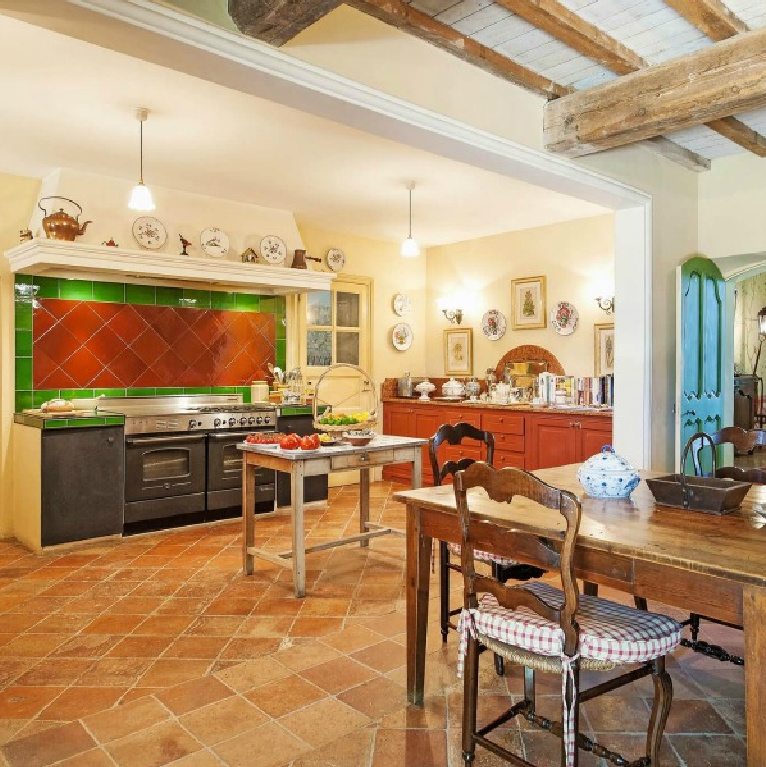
<point x="84" y="418"/>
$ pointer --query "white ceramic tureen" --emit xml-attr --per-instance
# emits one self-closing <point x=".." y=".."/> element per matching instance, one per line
<point x="608" y="475"/>
<point x="453" y="388"/>
<point x="425" y="388"/>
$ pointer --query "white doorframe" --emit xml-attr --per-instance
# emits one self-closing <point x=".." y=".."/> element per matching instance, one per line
<point x="200" y="49"/>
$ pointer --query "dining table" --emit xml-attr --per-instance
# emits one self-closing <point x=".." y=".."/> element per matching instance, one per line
<point x="714" y="565"/>
<point x="381" y="451"/>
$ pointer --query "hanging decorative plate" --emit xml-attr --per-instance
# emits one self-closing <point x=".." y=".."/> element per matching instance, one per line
<point x="493" y="324"/>
<point x="401" y="336"/>
<point x="214" y="241"/>
<point x="149" y="232"/>
<point x="336" y="259"/>
<point x="564" y="318"/>
<point x="402" y="304"/>
<point x="273" y="249"/>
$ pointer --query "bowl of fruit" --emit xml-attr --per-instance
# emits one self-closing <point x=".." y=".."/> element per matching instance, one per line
<point x="331" y="421"/>
<point x="330" y="440"/>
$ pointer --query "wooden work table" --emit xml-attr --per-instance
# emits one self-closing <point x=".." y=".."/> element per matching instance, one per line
<point x="310" y="463"/>
<point x="708" y="564"/>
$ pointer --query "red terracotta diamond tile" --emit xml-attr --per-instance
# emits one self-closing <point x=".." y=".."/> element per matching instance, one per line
<point x="207" y="327"/>
<point x="106" y="379"/>
<point x="105" y="345"/>
<point x="240" y="329"/>
<point x="238" y="372"/>
<point x="58" y="307"/>
<point x="170" y="325"/>
<point x="188" y="347"/>
<point x="169" y="368"/>
<point x="127" y="323"/>
<point x="42" y="320"/>
<point x="106" y="310"/>
<point x="83" y="367"/>
<point x="149" y="346"/>
<point x="42" y="367"/>
<point x="82" y="322"/>
<point x="58" y="379"/>
<point x="58" y="343"/>
<point x="127" y="366"/>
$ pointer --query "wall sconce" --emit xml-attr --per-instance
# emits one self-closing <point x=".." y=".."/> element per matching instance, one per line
<point x="453" y="315"/>
<point x="606" y="303"/>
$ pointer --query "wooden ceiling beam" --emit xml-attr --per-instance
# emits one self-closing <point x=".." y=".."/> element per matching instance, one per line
<point x="419" y="24"/>
<point x="709" y="16"/>
<point x="709" y="84"/>
<point x="559" y="22"/>
<point x="736" y="131"/>
<point x="278" y="21"/>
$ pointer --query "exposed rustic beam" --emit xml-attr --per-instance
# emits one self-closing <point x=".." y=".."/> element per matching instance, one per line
<point x="566" y="26"/>
<point x="278" y="21"/>
<point x="677" y="153"/>
<point x="419" y="24"/>
<point x="710" y="84"/>
<point x="741" y="134"/>
<point x="710" y="16"/>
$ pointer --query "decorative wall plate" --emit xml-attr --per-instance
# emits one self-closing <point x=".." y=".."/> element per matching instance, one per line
<point x="214" y="241"/>
<point x="336" y="259"/>
<point x="149" y="232"/>
<point x="401" y="336"/>
<point x="493" y="324"/>
<point x="273" y="249"/>
<point x="402" y="304"/>
<point x="564" y="318"/>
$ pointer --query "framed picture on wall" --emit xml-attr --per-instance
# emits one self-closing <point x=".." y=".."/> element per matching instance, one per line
<point x="603" y="348"/>
<point x="528" y="303"/>
<point x="458" y="352"/>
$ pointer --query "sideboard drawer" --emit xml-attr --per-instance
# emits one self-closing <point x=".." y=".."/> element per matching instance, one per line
<point x="361" y="460"/>
<point x="503" y="423"/>
<point x="514" y="442"/>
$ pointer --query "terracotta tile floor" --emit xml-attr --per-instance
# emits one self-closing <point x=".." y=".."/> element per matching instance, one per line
<point x="155" y="650"/>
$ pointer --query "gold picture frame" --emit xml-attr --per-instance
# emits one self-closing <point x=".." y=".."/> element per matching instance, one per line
<point x="458" y="352"/>
<point x="528" y="303"/>
<point x="603" y="349"/>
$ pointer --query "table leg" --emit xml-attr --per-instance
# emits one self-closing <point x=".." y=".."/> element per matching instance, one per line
<point x="418" y="581"/>
<point x="248" y="516"/>
<point x="416" y="471"/>
<point x="364" y="504"/>
<point x="754" y="614"/>
<point x="299" y="536"/>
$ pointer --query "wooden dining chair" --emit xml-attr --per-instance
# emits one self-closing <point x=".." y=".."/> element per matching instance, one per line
<point x="547" y="629"/>
<point x="745" y="442"/>
<point x="503" y="568"/>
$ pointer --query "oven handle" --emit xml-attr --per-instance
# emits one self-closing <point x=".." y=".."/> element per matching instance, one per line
<point x="229" y="435"/>
<point x="151" y="441"/>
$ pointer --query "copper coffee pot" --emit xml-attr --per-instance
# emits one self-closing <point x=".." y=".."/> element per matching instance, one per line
<point x="59" y="225"/>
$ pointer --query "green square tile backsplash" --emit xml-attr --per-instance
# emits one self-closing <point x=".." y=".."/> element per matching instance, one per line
<point x="74" y="339"/>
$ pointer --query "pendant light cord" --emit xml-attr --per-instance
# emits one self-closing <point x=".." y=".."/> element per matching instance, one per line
<point x="410" y="237"/>
<point x="141" y="152"/>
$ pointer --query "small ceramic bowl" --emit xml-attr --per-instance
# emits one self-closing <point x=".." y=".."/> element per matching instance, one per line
<point x="359" y="438"/>
<point x="608" y="475"/>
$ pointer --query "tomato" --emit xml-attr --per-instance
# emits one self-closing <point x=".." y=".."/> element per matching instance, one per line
<point x="307" y="443"/>
<point x="315" y="441"/>
<point x="289" y="442"/>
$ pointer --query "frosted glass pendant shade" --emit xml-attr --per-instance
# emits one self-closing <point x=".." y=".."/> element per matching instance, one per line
<point x="410" y="248"/>
<point x="141" y="198"/>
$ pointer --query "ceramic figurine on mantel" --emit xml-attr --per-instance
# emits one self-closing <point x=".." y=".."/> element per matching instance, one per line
<point x="184" y="245"/>
<point x="110" y="243"/>
<point x="249" y="256"/>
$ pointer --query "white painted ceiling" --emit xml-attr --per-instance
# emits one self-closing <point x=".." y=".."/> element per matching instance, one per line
<point x="649" y="27"/>
<point x="67" y="103"/>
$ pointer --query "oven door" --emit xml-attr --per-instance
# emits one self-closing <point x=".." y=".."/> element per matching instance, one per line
<point x="224" y="462"/>
<point x="164" y="466"/>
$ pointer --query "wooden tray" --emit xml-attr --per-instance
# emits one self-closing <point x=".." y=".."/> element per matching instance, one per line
<point x="710" y="495"/>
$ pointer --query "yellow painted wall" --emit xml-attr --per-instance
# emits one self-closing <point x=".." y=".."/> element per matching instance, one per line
<point x="18" y="195"/>
<point x="391" y="274"/>
<point x="577" y="259"/>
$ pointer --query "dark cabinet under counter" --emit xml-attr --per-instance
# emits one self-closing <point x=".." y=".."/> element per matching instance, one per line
<point x="314" y="488"/>
<point x="81" y="483"/>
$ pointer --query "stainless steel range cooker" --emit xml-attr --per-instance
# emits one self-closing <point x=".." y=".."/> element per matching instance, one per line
<point x="181" y="456"/>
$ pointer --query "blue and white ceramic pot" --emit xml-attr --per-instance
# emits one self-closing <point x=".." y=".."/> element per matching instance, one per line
<point x="608" y="475"/>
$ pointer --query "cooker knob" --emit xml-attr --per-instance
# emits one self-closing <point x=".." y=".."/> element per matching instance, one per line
<point x="243" y="421"/>
<point x="232" y="421"/>
<point x="192" y="423"/>
<point x="259" y="420"/>
<point x="217" y="422"/>
<point x="250" y="421"/>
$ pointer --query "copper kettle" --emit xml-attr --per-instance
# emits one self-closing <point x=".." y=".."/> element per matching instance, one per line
<point x="59" y="225"/>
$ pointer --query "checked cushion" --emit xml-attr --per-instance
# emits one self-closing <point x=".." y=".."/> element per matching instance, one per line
<point x="483" y="556"/>
<point x="608" y="631"/>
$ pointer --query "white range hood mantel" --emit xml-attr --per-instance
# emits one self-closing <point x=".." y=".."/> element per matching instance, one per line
<point x="57" y="258"/>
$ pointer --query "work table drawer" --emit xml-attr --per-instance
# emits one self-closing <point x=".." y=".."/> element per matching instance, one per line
<point x="362" y="460"/>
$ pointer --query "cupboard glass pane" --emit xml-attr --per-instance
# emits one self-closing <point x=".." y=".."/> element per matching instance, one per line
<point x="347" y="309"/>
<point x="347" y="347"/>
<point x="319" y="348"/>
<point x="319" y="308"/>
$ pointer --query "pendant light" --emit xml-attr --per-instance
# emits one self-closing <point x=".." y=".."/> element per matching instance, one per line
<point x="410" y="247"/>
<point x="141" y="196"/>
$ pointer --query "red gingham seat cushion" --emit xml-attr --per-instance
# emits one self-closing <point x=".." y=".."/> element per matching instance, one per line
<point x="483" y="556"/>
<point x="608" y="631"/>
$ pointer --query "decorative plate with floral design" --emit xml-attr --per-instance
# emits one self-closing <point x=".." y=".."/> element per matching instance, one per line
<point x="149" y="232"/>
<point x="273" y="249"/>
<point x="402" y="304"/>
<point x="336" y="259"/>
<point x="564" y="318"/>
<point x="401" y="336"/>
<point x="493" y="324"/>
<point x="214" y="242"/>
